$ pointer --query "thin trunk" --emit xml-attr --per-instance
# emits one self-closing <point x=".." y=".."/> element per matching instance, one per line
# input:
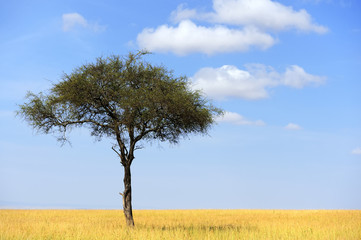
<point x="127" y="197"/>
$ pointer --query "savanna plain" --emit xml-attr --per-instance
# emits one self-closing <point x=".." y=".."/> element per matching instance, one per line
<point x="181" y="224"/>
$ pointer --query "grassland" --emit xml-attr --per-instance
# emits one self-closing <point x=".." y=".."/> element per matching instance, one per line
<point x="180" y="224"/>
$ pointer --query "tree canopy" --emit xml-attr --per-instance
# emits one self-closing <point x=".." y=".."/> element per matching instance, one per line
<point x="125" y="98"/>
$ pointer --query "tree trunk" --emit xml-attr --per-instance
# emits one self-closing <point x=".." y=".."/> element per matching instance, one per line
<point x="127" y="197"/>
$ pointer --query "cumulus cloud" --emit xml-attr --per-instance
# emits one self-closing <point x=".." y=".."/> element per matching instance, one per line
<point x="296" y="77"/>
<point x="232" y="26"/>
<point x="237" y="119"/>
<point x="356" y="151"/>
<point x="264" y="14"/>
<point x="252" y="83"/>
<point x="292" y="126"/>
<point x="183" y="13"/>
<point x="187" y="37"/>
<point x="70" y="20"/>
<point x="73" y="21"/>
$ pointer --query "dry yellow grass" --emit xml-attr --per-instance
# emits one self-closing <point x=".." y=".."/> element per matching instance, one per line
<point x="180" y="224"/>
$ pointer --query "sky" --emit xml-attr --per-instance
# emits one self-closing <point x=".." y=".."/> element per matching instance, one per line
<point x="286" y="73"/>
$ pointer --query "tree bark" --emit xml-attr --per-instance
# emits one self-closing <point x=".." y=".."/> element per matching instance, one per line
<point x="127" y="197"/>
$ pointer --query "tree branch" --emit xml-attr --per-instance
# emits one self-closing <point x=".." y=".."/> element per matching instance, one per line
<point x="123" y="150"/>
<point x="66" y="123"/>
<point x="117" y="152"/>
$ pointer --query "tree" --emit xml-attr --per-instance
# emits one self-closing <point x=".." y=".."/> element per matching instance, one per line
<point x="124" y="98"/>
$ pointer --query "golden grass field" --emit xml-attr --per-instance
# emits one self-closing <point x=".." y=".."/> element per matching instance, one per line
<point x="181" y="224"/>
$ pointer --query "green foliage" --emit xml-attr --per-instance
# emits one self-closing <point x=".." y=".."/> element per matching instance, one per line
<point x="121" y="97"/>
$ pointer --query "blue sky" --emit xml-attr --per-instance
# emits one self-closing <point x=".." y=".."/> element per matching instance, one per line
<point x="287" y="73"/>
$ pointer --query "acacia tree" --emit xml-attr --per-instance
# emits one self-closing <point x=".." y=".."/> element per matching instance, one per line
<point x="124" y="98"/>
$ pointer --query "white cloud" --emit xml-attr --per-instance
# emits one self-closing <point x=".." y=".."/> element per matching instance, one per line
<point x="244" y="24"/>
<point x="292" y="126"/>
<point x="252" y="83"/>
<point x="70" y="20"/>
<point x="263" y="14"/>
<point x="235" y="118"/>
<point x="187" y="37"/>
<point x="356" y="151"/>
<point x="182" y="13"/>
<point x="73" y="21"/>
<point x="296" y="77"/>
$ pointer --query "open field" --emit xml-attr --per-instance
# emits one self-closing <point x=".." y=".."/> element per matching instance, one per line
<point x="181" y="224"/>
